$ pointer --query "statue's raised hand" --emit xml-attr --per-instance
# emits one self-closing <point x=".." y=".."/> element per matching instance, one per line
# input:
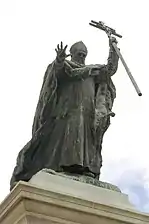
<point x="61" y="52"/>
<point x="112" y="40"/>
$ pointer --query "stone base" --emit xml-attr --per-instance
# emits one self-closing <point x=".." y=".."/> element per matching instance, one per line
<point x="51" y="199"/>
<point x="66" y="185"/>
<point x="84" y="179"/>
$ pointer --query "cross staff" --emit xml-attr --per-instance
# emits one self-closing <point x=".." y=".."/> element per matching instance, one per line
<point x="109" y="31"/>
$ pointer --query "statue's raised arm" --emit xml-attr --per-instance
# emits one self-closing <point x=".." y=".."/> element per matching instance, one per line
<point x="110" y="31"/>
<point x="113" y="58"/>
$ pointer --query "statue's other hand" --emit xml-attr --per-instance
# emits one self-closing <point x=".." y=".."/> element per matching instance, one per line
<point x="61" y="52"/>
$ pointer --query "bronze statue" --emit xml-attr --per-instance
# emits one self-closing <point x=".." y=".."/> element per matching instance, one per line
<point x="72" y="115"/>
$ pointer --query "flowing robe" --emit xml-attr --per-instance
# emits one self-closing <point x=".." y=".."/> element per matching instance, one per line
<point x="71" y="118"/>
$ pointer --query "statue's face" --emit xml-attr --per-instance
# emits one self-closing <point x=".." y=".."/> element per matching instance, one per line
<point x="79" y="56"/>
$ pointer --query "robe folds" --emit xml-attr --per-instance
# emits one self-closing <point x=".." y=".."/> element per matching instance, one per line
<point x="72" y="115"/>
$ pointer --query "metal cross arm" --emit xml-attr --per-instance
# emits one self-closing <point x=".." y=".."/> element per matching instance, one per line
<point x="102" y="26"/>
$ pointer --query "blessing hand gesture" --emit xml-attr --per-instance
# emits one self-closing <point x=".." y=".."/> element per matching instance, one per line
<point x="61" y="52"/>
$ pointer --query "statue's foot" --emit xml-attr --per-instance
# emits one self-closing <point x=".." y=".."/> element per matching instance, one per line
<point x="74" y="169"/>
<point x="89" y="174"/>
<point x="78" y="170"/>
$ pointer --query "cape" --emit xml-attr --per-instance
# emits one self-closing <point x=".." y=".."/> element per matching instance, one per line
<point x="47" y="101"/>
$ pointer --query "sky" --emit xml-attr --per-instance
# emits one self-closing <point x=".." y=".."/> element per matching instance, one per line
<point x="30" y="31"/>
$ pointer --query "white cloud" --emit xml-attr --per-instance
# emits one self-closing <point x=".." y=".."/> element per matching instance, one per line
<point x="132" y="178"/>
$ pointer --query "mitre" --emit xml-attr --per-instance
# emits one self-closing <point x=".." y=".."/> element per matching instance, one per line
<point x="78" y="46"/>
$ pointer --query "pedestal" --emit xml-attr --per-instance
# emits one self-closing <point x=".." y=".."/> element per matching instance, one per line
<point x="51" y="199"/>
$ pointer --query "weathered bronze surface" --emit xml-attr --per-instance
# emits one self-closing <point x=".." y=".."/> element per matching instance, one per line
<point x="72" y="115"/>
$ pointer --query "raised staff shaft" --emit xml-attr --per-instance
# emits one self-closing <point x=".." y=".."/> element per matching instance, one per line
<point x="127" y="69"/>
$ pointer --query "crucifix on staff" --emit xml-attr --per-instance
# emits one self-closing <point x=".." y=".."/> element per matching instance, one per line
<point x="109" y="31"/>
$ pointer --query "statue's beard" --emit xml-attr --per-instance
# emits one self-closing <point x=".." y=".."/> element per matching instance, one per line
<point x="78" y="60"/>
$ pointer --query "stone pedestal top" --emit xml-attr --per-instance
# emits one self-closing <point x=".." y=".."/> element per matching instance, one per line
<point x="65" y="201"/>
